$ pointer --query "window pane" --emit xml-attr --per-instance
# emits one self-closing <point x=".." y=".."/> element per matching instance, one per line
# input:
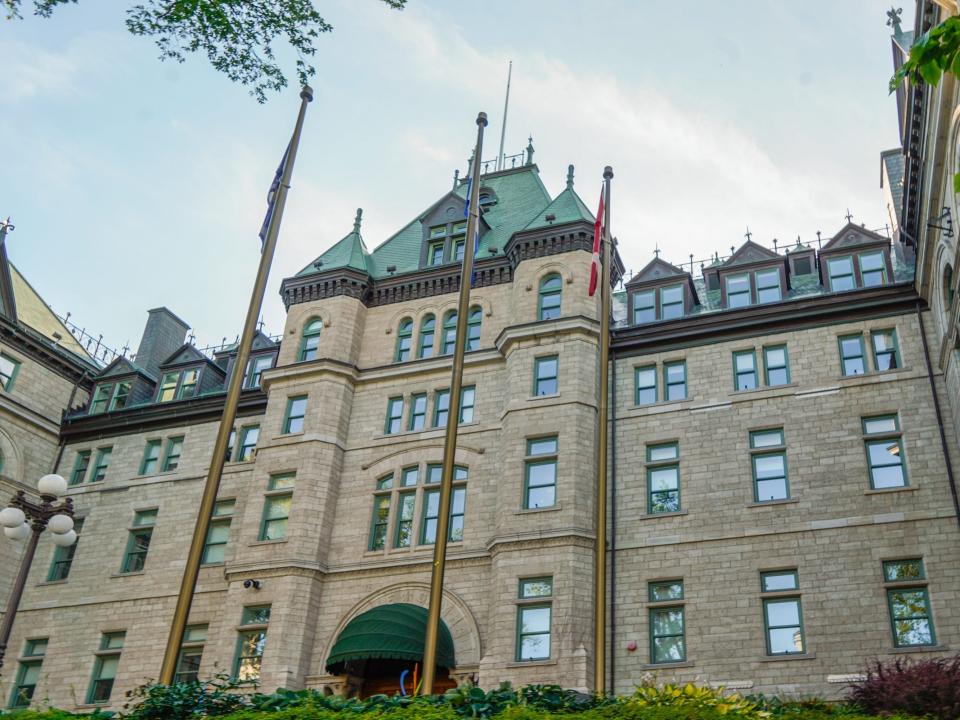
<point x="670" y="590"/>
<point x="903" y="570"/>
<point x="535" y="647"/>
<point x="542" y="474"/>
<point x="644" y="309"/>
<point x="783" y="612"/>
<point x="535" y="620"/>
<point x="662" y="452"/>
<point x="543" y="446"/>
<point x="538" y="497"/>
<point x="785" y="640"/>
<point x="773" y="581"/>
<point x="873" y="261"/>
<point x="766" y="438"/>
<point x="541" y="587"/>
<point x="880" y="425"/>
<point x="667" y="621"/>
<point x="664" y="479"/>
<point x="771" y="490"/>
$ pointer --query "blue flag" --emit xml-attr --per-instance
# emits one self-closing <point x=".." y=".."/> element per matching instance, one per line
<point x="272" y="198"/>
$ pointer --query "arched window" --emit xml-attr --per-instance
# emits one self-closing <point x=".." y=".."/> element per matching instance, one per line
<point x="549" y="303"/>
<point x="473" y="328"/>
<point x="449" y="336"/>
<point x="948" y="288"/>
<point x="404" y="340"/>
<point x="427" y="330"/>
<point x="310" y="341"/>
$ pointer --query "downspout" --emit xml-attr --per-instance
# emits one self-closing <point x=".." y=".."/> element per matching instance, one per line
<point x="613" y="525"/>
<point x="62" y="441"/>
<point x="936" y="407"/>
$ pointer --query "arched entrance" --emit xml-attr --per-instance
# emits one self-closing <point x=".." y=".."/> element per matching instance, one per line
<point x="383" y="649"/>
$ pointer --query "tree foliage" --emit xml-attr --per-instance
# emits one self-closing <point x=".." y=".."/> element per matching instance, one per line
<point x="237" y="36"/>
<point x="932" y="55"/>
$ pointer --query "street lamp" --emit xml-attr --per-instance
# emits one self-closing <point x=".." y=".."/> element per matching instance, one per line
<point x="24" y="518"/>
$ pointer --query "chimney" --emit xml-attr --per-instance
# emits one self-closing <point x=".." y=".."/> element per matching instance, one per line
<point x="164" y="333"/>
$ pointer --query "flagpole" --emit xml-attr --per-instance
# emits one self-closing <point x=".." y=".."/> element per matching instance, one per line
<point x="453" y="420"/>
<point x="600" y="578"/>
<point x="192" y="568"/>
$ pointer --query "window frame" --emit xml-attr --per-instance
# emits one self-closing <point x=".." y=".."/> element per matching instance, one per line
<point x="312" y="330"/>
<point x="880" y="437"/>
<point x="882" y="269"/>
<point x="897" y="363"/>
<point x="760" y="288"/>
<point x="541" y="459"/>
<point x="752" y="354"/>
<point x="470" y="390"/>
<point x="248" y="628"/>
<point x="81" y="465"/>
<point x="404" y="347"/>
<point x="652" y="466"/>
<point x="150" y="464"/>
<point x="769" y="451"/>
<point x="844" y="358"/>
<point x="101" y="463"/>
<point x="254" y="371"/>
<point x="289" y="419"/>
<point x="246" y="452"/>
<point x="428" y="328"/>
<point x="438" y="407"/>
<point x="394" y="418"/>
<point x="448" y="333"/>
<point x="533" y="602"/>
<point x="635" y="309"/>
<point x="273" y="494"/>
<point x="664" y="305"/>
<point x="767" y="349"/>
<point x="415" y="399"/>
<point x="7" y="385"/>
<point x="637" y="388"/>
<point x="852" y="274"/>
<point x="667" y="385"/>
<point x="748" y="292"/>
<point x="656" y="607"/>
<point x="134" y="556"/>
<point x="544" y="293"/>
<point x="173" y="452"/>
<point x="474" y="327"/>
<point x="190" y="648"/>
<point x="767" y="627"/>
<point x="63" y="556"/>
<point x="218" y="519"/>
<point x="538" y="363"/>
<point x="107" y="652"/>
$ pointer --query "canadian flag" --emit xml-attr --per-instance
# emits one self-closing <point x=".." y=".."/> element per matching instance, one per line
<point x="597" y="237"/>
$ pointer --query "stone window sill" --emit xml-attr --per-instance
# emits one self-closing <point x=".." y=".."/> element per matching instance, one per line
<point x="527" y="511"/>
<point x="267" y="542"/>
<point x="52" y="582"/>
<point x="885" y="491"/>
<point x="549" y="396"/>
<point x="788" y="501"/>
<point x="531" y="663"/>
<point x="128" y="574"/>
<point x="790" y="657"/>
<point x="876" y="373"/>
<point x="657" y="516"/>
<point x="919" y="649"/>
<point x="667" y="666"/>
<point x="762" y="389"/>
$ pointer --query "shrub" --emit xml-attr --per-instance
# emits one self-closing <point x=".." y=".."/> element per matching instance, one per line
<point x="912" y="687"/>
<point x="181" y="701"/>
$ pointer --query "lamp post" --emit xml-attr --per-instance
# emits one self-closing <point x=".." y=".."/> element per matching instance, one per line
<point x="24" y="518"/>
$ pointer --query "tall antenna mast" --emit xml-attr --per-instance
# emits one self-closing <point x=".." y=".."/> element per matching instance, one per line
<point x="503" y="129"/>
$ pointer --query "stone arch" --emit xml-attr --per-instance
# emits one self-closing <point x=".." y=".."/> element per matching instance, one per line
<point x="12" y="459"/>
<point x="407" y="311"/>
<point x="409" y="456"/>
<point x="455" y="613"/>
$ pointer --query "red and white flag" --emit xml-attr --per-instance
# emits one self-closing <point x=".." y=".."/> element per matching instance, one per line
<point x="597" y="237"/>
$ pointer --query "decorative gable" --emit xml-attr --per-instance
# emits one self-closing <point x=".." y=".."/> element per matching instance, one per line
<point x="656" y="269"/>
<point x="749" y="253"/>
<point x="185" y="355"/>
<point x="853" y="236"/>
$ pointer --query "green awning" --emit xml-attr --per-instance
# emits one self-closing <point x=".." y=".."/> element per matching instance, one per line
<point x="389" y="632"/>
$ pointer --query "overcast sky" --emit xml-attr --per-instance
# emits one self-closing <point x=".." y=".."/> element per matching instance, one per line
<point x="135" y="183"/>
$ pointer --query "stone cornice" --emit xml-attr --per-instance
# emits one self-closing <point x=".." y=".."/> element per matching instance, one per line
<point x="546" y="328"/>
<point x="54" y="359"/>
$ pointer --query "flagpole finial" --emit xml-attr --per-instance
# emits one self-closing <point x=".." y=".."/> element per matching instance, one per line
<point x="357" y="220"/>
<point x="607" y="172"/>
<point x="482" y="119"/>
<point x="569" y="177"/>
<point x="307" y="93"/>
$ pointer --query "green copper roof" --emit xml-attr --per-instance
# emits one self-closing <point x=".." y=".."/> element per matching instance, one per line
<point x="389" y="632"/>
<point x="566" y="207"/>
<point x="520" y="198"/>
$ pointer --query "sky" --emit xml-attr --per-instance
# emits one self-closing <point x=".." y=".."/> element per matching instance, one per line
<point x="135" y="183"/>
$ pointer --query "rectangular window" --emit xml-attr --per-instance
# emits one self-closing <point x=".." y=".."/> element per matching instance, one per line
<point x="80" y="466"/>
<point x="168" y="387"/>
<point x="840" y="272"/>
<point x="248" y="443"/>
<point x="776" y="366"/>
<point x="872" y="271"/>
<point x="545" y="375"/>
<point x="458" y="249"/>
<point x="663" y="478"/>
<point x="276" y="507"/>
<point x="431" y="511"/>
<point x="783" y="625"/>
<point x="191" y="653"/>
<point x="675" y="381"/>
<point x="779" y="581"/>
<point x="418" y="412"/>
<point x="381" y="521"/>
<point x="910" y="617"/>
<point x="121" y="394"/>
<point x="171" y="459"/>
<point x="644" y="307"/>
<point x="885" y="457"/>
<point x="745" y="370"/>
<point x="441" y="408"/>
<point x="885" y="353"/>
<point x="218" y="533"/>
<point x="769" y="461"/>
<point x="671" y="302"/>
<point x="540" y="481"/>
<point x="28" y="674"/>
<point x="105" y="668"/>
<point x="435" y="254"/>
<point x="394" y="415"/>
<point x="468" y="396"/>
<point x="852" y="355"/>
<point x="738" y="291"/>
<point x="646" y="381"/>
<point x="101" y="463"/>
<point x="294" y="415"/>
<point x="405" y="508"/>
<point x="138" y="542"/>
<point x="63" y="556"/>
<point x="101" y="398"/>
<point x="8" y="372"/>
<point x="255" y="368"/>
<point x="189" y="379"/>
<point x="768" y="286"/>
<point x="151" y="458"/>
<point x="533" y="619"/>
<point x="251" y="639"/>
<point x="667" y="631"/>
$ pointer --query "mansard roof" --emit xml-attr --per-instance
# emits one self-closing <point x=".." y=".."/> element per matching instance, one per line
<point x="749" y="253"/>
<point x="852" y="235"/>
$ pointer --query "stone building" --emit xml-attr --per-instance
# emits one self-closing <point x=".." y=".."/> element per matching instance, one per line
<point x="782" y="494"/>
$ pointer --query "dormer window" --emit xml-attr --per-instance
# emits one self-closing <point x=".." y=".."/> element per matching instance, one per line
<point x="255" y="368"/>
<point x="109" y="396"/>
<point x="840" y="271"/>
<point x="738" y="290"/>
<point x="872" y="269"/>
<point x="486" y="198"/>
<point x="855" y="258"/>
<point x="671" y="302"/>
<point x="768" y="286"/>
<point x="660" y="291"/>
<point x="803" y="265"/>
<point x="446" y="243"/>
<point x="644" y="307"/>
<point x="179" y="385"/>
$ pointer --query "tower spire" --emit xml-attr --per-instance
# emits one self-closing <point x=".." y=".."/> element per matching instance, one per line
<point x="569" y="177"/>
<point x="357" y="220"/>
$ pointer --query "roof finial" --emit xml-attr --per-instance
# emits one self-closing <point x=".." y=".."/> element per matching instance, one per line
<point x="748" y="234"/>
<point x="893" y="20"/>
<point x="357" y="220"/>
<point x="775" y="245"/>
<point x="530" y="150"/>
<point x="798" y="241"/>
<point x="656" y="250"/>
<point x="569" y="177"/>
<point x="848" y="215"/>
<point x="456" y="178"/>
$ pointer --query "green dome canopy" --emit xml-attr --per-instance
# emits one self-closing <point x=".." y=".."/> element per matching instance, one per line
<point x="389" y="632"/>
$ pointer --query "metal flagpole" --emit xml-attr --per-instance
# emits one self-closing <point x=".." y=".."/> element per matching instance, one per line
<point x="503" y="128"/>
<point x="192" y="568"/>
<point x="453" y="419"/>
<point x="600" y="578"/>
